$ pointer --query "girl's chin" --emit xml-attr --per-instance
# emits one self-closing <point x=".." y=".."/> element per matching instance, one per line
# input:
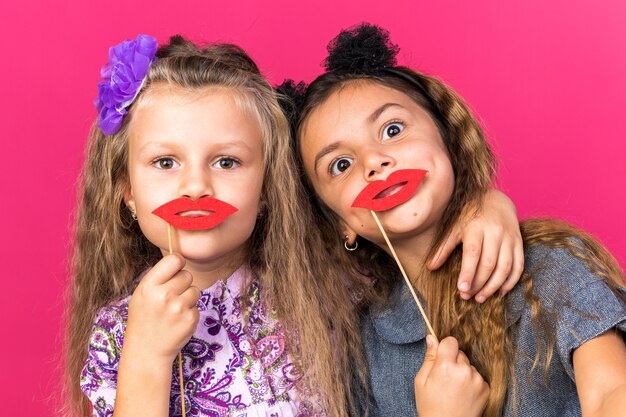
<point x="402" y="228"/>
<point x="395" y="235"/>
<point x="202" y="250"/>
<point x="403" y="219"/>
<point x="203" y="258"/>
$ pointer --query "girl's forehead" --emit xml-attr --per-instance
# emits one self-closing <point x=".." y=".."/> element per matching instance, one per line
<point x="193" y="116"/>
<point x="362" y="96"/>
<point x="236" y="102"/>
<point x="355" y="99"/>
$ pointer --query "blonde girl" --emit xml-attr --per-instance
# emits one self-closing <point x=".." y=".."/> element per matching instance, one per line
<point x="190" y="122"/>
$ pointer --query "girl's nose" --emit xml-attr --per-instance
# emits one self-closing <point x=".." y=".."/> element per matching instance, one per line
<point x="377" y="165"/>
<point x="196" y="182"/>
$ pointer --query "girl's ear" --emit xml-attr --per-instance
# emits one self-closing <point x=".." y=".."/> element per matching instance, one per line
<point x="129" y="200"/>
<point x="348" y="235"/>
<point x="262" y="208"/>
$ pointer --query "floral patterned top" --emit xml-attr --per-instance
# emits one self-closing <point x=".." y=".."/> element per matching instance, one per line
<point x="230" y="368"/>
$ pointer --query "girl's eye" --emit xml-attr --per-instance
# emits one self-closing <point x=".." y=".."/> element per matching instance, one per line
<point x="226" y="163"/>
<point x="392" y="129"/>
<point x="338" y="166"/>
<point x="165" y="163"/>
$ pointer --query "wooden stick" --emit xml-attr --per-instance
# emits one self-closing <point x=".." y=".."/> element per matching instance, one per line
<point x="180" y="357"/>
<point x="169" y="237"/>
<point x="406" y="278"/>
<point x="182" y="383"/>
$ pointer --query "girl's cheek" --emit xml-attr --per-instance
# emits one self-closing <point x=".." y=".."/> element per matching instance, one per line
<point x="352" y="193"/>
<point x="344" y="196"/>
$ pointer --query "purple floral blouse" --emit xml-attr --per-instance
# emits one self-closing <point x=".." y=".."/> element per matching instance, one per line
<point x="228" y="369"/>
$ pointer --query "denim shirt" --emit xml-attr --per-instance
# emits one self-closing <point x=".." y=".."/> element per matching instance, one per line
<point x="581" y="307"/>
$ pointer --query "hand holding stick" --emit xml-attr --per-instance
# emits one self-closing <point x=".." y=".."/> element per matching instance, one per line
<point x="219" y="211"/>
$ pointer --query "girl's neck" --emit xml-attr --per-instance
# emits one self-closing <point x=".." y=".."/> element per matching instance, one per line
<point x="413" y="253"/>
<point x="207" y="273"/>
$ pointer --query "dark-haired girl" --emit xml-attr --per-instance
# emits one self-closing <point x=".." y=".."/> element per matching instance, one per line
<point x="554" y="346"/>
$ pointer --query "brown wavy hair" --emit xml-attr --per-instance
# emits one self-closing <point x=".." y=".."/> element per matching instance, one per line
<point x="480" y="328"/>
<point x="310" y="298"/>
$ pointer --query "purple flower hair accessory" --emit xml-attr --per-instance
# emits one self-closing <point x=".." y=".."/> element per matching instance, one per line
<point x="123" y="76"/>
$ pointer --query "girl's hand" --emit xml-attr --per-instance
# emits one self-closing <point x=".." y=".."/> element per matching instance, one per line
<point x="493" y="251"/>
<point x="162" y="313"/>
<point x="447" y="385"/>
<point x="162" y="316"/>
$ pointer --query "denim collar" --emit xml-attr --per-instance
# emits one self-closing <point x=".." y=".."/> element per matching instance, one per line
<point x="399" y="322"/>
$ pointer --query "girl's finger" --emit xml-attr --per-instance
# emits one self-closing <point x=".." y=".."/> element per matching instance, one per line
<point x="443" y="252"/>
<point x="179" y="283"/>
<point x="164" y="270"/>
<point x="516" y="271"/>
<point x="489" y="255"/>
<point x="462" y="358"/>
<point x="472" y="247"/>
<point x="429" y="360"/>
<point x="500" y="273"/>
<point x="191" y="296"/>
<point x="448" y="350"/>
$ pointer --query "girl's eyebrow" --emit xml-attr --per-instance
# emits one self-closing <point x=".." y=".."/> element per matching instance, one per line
<point x="236" y="144"/>
<point x="325" y="151"/>
<point x="158" y="145"/>
<point x="153" y="145"/>
<point x="376" y="114"/>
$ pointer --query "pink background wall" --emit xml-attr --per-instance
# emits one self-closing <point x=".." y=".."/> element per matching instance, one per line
<point x="545" y="76"/>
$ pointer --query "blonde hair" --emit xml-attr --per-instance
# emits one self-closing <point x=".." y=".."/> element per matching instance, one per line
<point x="110" y="251"/>
<point x="480" y="328"/>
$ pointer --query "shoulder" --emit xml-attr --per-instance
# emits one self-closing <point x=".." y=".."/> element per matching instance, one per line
<point x="571" y="300"/>
<point x="111" y="316"/>
<point x="568" y="289"/>
<point x="558" y="273"/>
<point x="107" y="334"/>
<point x="99" y="375"/>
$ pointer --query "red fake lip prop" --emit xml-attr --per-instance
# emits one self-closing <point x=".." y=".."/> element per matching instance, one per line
<point x="171" y="213"/>
<point x="398" y="188"/>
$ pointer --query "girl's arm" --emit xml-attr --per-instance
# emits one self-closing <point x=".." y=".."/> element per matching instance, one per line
<point x="600" y="372"/>
<point x="493" y="251"/>
<point x="447" y="385"/>
<point x="162" y="316"/>
<point x="143" y="387"/>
